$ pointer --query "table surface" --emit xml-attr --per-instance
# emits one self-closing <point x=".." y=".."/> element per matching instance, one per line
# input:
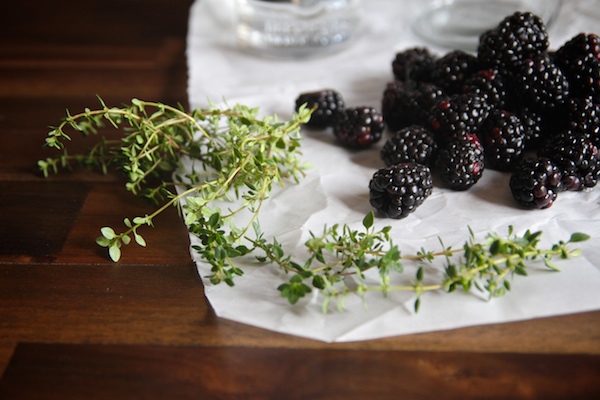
<point x="73" y="324"/>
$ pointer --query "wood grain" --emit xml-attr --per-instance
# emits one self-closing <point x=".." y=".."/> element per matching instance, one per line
<point x="54" y="371"/>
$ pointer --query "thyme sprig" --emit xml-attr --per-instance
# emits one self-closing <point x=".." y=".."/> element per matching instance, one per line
<point x="340" y="258"/>
<point x="232" y="158"/>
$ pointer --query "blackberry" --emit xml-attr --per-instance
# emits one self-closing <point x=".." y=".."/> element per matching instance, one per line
<point x="411" y="144"/>
<point x="456" y="115"/>
<point x="579" y="58"/>
<point x="517" y="37"/>
<point x="533" y="128"/>
<point x="359" y="127"/>
<point x="397" y="190"/>
<point x="414" y="64"/>
<point x="408" y="103"/>
<point x="461" y="162"/>
<point x="453" y="69"/>
<point x="536" y="183"/>
<point x="577" y="157"/>
<point x="539" y="83"/>
<point x="328" y="104"/>
<point x="489" y="85"/>
<point x="503" y="140"/>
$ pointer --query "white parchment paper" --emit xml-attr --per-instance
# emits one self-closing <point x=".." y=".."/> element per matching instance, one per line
<point x="335" y="190"/>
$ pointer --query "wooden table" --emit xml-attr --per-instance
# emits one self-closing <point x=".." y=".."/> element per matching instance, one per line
<point x="75" y="325"/>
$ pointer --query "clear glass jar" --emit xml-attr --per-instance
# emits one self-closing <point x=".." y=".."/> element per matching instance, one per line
<point x="457" y="24"/>
<point x="297" y="28"/>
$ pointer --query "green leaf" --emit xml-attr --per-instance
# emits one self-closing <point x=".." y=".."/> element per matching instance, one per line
<point x="102" y="241"/>
<point x="139" y="239"/>
<point x="368" y="220"/>
<point x="579" y="237"/>
<point x="114" y="252"/>
<point x="108" y="232"/>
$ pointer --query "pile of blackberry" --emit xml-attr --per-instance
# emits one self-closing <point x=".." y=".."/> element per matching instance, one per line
<point x="514" y="106"/>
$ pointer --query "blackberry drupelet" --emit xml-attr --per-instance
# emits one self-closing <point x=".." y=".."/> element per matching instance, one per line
<point x="503" y="140"/>
<point x="536" y="183"/>
<point x="411" y="144"/>
<point x="517" y="37"/>
<point x="452" y="70"/>
<point x="359" y="127"/>
<point x="461" y="162"/>
<point x="328" y="104"/>
<point x="579" y="59"/>
<point x="540" y="84"/>
<point x="457" y="115"/>
<point x="577" y="157"/>
<point x="397" y="190"/>
<point x="414" y="64"/>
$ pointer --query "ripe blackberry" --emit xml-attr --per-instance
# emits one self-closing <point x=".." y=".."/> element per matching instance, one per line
<point x="452" y="70"/>
<point x="540" y="84"/>
<point x="411" y="144"/>
<point x="328" y="104"/>
<point x="579" y="58"/>
<point x="519" y="36"/>
<point x="503" y="140"/>
<point x="536" y="183"/>
<point x="489" y="85"/>
<point x="461" y="162"/>
<point x="359" y="127"/>
<point x="577" y="157"/>
<point x="397" y="190"/>
<point x="456" y="115"/>
<point x="408" y="103"/>
<point x="414" y="64"/>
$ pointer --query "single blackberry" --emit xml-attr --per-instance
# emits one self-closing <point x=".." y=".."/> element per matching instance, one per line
<point x="579" y="59"/>
<point x="577" y="157"/>
<point x="461" y="162"/>
<point x="397" y="190"/>
<point x="452" y="70"/>
<point x="359" y="127"/>
<point x="503" y="140"/>
<point x="411" y="144"/>
<point x="327" y="102"/>
<point x="457" y="115"/>
<point x="414" y="64"/>
<point x="536" y="183"/>
<point x="489" y="85"/>
<point x="540" y="84"/>
<point x="517" y="37"/>
<point x="408" y="103"/>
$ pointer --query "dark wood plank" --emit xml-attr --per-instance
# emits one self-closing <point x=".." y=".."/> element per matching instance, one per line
<point x="56" y="371"/>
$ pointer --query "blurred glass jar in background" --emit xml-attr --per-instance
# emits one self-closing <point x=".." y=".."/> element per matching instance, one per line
<point x="297" y="28"/>
<point x="457" y="24"/>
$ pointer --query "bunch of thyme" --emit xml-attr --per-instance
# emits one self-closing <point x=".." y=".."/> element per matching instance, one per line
<point x="235" y="155"/>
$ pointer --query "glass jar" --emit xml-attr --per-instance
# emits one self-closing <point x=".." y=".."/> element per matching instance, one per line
<point x="457" y="24"/>
<point x="297" y="28"/>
